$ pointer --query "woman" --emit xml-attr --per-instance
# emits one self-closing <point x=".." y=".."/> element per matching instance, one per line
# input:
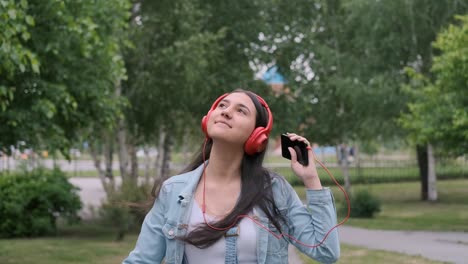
<point x="227" y="208"/>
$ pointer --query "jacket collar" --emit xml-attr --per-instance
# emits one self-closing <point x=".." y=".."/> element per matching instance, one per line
<point x="193" y="177"/>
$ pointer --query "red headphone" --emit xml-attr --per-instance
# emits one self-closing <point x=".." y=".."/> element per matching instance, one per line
<point x="258" y="139"/>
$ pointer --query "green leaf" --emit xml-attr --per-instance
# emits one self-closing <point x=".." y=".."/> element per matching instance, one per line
<point x="12" y="14"/>
<point x="35" y="65"/>
<point x="30" y="20"/>
<point x="25" y="36"/>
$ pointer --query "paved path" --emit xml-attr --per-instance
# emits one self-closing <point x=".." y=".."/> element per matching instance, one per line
<point x="449" y="247"/>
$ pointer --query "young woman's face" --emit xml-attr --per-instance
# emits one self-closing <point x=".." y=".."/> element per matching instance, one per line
<point x="233" y="120"/>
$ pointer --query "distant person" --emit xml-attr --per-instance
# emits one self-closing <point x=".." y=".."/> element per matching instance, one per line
<point x="196" y="217"/>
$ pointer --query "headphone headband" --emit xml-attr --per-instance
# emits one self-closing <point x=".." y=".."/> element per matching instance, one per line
<point x="270" y="116"/>
<point x="257" y="140"/>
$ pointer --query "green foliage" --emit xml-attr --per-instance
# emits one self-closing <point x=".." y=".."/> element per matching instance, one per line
<point x="31" y="202"/>
<point x="363" y="204"/>
<point x="59" y="65"/>
<point x="186" y="54"/>
<point x="14" y="54"/>
<point x="439" y="107"/>
<point x="125" y="209"/>
<point x="344" y="61"/>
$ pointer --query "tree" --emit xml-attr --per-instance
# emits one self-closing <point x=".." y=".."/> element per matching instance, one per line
<point x="186" y="54"/>
<point x="314" y="44"/>
<point x="345" y="61"/>
<point x="438" y="109"/>
<point x="59" y="64"/>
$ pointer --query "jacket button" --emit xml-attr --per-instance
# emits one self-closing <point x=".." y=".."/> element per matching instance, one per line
<point x="171" y="232"/>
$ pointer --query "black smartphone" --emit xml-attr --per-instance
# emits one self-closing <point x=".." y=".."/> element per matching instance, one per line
<point x="299" y="146"/>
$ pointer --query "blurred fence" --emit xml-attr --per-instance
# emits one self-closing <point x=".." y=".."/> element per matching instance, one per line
<point x="380" y="170"/>
<point x="375" y="169"/>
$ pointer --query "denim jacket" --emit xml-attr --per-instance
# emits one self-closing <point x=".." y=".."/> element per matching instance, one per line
<point x="170" y="214"/>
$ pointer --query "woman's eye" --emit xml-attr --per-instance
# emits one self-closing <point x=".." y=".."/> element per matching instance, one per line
<point x="222" y="105"/>
<point x="241" y="111"/>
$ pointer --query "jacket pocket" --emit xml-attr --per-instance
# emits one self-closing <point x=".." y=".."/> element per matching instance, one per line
<point x="278" y="246"/>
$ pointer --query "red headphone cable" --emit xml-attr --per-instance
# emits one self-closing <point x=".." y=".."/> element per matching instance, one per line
<point x="264" y="227"/>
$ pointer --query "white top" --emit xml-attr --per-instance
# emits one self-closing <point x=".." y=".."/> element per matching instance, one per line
<point x="246" y="241"/>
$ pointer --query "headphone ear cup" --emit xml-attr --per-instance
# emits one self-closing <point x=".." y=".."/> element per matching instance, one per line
<point x="256" y="142"/>
<point x="204" y="125"/>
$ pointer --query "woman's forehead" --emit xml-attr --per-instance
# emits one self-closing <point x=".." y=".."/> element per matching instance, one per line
<point x="240" y="98"/>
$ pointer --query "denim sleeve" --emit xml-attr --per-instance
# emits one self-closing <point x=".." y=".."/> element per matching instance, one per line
<point x="309" y="224"/>
<point x="151" y="243"/>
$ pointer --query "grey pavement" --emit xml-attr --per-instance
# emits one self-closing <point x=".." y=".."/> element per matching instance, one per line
<point x="450" y="247"/>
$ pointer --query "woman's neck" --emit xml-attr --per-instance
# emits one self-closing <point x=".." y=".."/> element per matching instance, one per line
<point x="225" y="164"/>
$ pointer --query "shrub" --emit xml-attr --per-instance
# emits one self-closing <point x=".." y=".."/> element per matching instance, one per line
<point x="31" y="202"/>
<point x="125" y="208"/>
<point x="363" y="204"/>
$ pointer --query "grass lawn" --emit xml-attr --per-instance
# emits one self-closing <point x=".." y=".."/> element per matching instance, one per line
<point x="89" y="244"/>
<point x="359" y="255"/>
<point x="403" y="210"/>
<point x="93" y="244"/>
<point x="78" y="244"/>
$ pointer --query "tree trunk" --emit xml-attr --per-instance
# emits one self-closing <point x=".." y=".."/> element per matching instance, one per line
<point x="147" y="164"/>
<point x="421" y="151"/>
<point x="344" y="166"/>
<point x="431" y="177"/>
<point x="357" y="159"/>
<point x="108" y="154"/>
<point x="122" y="148"/>
<point x="107" y="183"/>
<point x="166" y="157"/>
<point x="158" y="161"/>
<point x="132" y="151"/>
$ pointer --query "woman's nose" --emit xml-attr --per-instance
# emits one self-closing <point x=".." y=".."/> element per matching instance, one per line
<point x="226" y="113"/>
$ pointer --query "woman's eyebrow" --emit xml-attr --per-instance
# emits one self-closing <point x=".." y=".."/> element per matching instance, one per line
<point x="239" y="104"/>
<point x="244" y="106"/>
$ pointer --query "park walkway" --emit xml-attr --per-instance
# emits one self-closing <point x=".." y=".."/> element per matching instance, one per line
<point x="451" y="247"/>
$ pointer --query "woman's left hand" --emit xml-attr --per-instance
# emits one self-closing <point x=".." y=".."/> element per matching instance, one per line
<point x="308" y="174"/>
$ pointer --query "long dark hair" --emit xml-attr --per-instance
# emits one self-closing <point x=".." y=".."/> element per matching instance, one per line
<point x="255" y="189"/>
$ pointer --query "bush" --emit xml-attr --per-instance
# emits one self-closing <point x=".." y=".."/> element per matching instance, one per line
<point x="363" y="204"/>
<point x="31" y="202"/>
<point x="125" y="208"/>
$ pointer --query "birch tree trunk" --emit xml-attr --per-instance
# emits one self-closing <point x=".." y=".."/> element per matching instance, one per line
<point x="107" y="183"/>
<point x="132" y="151"/>
<point x="342" y="155"/>
<point x="357" y="159"/>
<point x="158" y="161"/>
<point x="147" y="164"/>
<point x="166" y="157"/>
<point x="108" y="154"/>
<point x="122" y="149"/>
